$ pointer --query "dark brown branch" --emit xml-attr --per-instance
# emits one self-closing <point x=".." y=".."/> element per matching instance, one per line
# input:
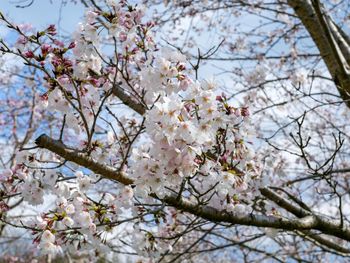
<point x="128" y="101"/>
<point x="326" y="40"/>
<point x="306" y="220"/>
<point x="60" y="149"/>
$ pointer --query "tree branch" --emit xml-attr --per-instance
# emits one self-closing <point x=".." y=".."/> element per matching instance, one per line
<point x="327" y="39"/>
<point x="82" y="159"/>
<point x="306" y="220"/>
<point x="128" y="101"/>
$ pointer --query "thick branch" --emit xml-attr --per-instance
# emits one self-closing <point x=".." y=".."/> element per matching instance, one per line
<point x="316" y="238"/>
<point x="128" y="100"/>
<point x="307" y="220"/>
<point x="325" y="225"/>
<point x="282" y="202"/>
<point x="251" y="219"/>
<point x="331" y="44"/>
<point x="74" y="156"/>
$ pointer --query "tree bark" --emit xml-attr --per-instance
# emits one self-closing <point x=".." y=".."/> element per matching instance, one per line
<point x="305" y="220"/>
<point x="330" y="40"/>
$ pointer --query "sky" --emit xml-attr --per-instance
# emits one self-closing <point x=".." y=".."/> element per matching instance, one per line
<point x="44" y="12"/>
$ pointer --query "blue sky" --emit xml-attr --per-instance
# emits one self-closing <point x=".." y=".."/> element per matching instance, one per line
<point x="42" y="13"/>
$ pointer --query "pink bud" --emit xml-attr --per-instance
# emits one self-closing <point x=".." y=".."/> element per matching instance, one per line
<point x="29" y="54"/>
<point x="56" y="61"/>
<point x="150" y="24"/>
<point x="219" y="98"/>
<point x="181" y="67"/>
<point x="45" y="48"/>
<point x="51" y="30"/>
<point x="71" y="45"/>
<point x="67" y="63"/>
<point x="123" y="36"/>
<point x="245" y="112"/>
<point x="135" y="50"/>
<point x="93" y="81"/>
<point x="3" y="207"/>
<point x="44" y="97"/>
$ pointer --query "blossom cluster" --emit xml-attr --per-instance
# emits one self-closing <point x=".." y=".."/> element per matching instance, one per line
<point x="191" y="140"/>
<point x="195" y="137"/>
